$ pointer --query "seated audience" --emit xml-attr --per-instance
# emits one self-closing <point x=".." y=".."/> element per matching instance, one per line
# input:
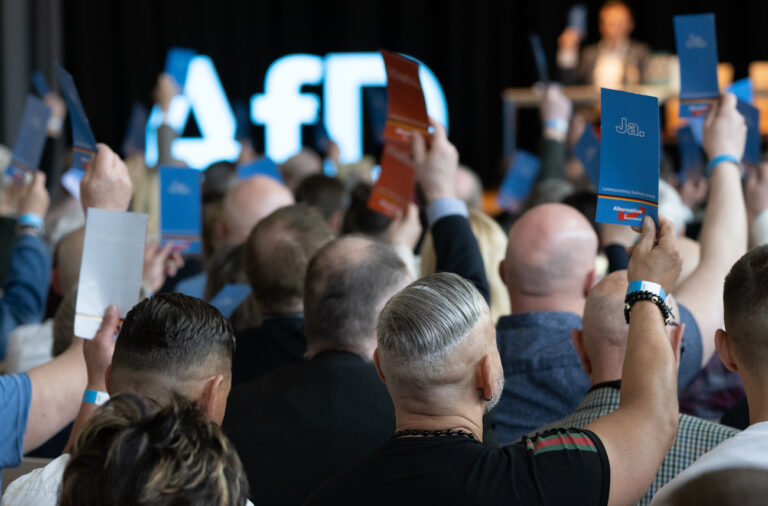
<point x="601" y="345"/>
<point x="275" y="259"/>
<point x="549" y="270"/>
<point x="136" y="452"/>
<point x="168" y="345"/>
<point x="437" y="356"/>
<point x="317" y="417"/>
<point x="741" y="348"/>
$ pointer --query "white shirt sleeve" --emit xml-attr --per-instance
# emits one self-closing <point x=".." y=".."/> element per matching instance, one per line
<point x="39" y="487"/>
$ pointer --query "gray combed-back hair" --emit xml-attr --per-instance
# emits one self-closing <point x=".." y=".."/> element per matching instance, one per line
<point x="429" y="318"/>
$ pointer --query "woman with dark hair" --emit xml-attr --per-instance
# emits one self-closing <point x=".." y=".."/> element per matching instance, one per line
<point x="134" y="452"/>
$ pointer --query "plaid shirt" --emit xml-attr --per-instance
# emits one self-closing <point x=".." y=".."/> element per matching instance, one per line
<point x="695" y="436"/>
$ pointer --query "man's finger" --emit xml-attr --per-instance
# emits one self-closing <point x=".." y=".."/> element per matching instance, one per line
<point x="439" y="134"/>
<point x="667" y="235"/>
<point x="728" y="103"/>
<point x="648" y="235"/>
<point x="418" y="149"/>
<point x="109" y="324"/>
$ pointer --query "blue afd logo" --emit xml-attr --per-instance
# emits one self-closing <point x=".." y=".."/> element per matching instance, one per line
<point x="283" y="108"/>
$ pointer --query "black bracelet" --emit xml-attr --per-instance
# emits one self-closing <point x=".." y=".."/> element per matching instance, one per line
<point x="634" y="297"/>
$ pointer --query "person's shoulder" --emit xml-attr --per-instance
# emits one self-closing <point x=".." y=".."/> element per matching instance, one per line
<point x="700" y="425"/>
<point x="38" y="487"/>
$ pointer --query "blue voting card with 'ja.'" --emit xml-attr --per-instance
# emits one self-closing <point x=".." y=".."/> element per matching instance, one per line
<point x="261" y="167"/>
<point x="752" y="118"/>
<point x="177" y="64"/>
<point x="629" y="158"/>
<point x="181" y="216"/>
<point x="587" y="150"/>
<point x="696" y="43"/>
<point x="30" y="141"/>
<point x="229" y="298"/>
<point x="519" y="180"/>
<point x="135" y="133"/>
<point x="83" y="141"/>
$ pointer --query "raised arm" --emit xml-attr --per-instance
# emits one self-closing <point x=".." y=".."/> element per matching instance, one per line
<point x="723" y="236"/>
<point x="640" y="432"/>
<point x="456" y="248"/>
<point x="25" y="291"/>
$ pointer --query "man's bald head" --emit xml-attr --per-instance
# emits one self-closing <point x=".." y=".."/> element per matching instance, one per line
<point x="69" y="253"/>
<point x="605" y="331"/>
<point x="551" y="252"/>
<point x="347" y="283"/>
<point x="247" y="203"/>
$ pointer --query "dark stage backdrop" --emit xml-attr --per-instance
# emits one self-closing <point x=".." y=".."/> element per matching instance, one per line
<point x="116" y="48"/>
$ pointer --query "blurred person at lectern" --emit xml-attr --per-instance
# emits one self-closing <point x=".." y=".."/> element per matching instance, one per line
<point x="614" y="61"/>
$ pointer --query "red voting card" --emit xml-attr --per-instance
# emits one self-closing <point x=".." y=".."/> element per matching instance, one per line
<point x="407" y="110"/>
<point x="394" y="188"/>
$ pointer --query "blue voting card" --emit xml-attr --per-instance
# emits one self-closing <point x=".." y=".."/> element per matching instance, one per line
<point x="518" y="182"/>
<point x="743" y="90"/>
<point x="70" y="180"/>
<point x="577" y="19"/>
<point x="39" y="83"/>
<point x="376" y="104"/>
<point x="752" y="117"/>
<point x="181" y="216"/>
<point x="540" y="57"/>
<point x="30" y="141"/>
<point x="587" y="150"/>
<point x="629" y="158"/>
<point x="692" y="157"/>
<point x="135" y="132"/>
<point x="229" y="298"/>
<point x="83" y="141"/>
<point x="177" y="64"/>
<point x="697" y="49"/>
<point x="262" y="166"/>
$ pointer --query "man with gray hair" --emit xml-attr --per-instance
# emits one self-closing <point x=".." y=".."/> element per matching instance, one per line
<point x="317" y="417"/>
<point x="438" y="357"/>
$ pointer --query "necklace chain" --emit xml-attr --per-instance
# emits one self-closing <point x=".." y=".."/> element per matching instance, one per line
<point x="433" y="433"/>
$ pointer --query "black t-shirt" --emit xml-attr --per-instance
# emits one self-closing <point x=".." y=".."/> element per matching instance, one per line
<point x="561" y="466"/>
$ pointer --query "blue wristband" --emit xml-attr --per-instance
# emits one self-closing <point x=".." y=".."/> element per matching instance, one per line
<point x="95" y="397"/>
<point x="559" y="124"/>
<point x="30" y="220"/>
<point x="720" y="159"/>
<point x="647" y="286"/>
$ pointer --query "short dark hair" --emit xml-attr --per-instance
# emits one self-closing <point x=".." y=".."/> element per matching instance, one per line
<point x="134" y="452"/>
<point x="218" y="178"/>
<point x="359" y="219"/>
<point x="326" y="194"/>
<point x="277" y="252"/>
<point x="170" y="334"/>
<point x="745" y="301"/>
<point x="342" y="297"/>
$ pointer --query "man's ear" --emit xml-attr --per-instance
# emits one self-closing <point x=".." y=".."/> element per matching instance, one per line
<point x="589" y="281"/>
<point x="378" y="366"/>
<point x="501" y="272"/>
<point x="577" y="336"/>
<point x="484" y="377"/>
<point x="723" y="347"/>
<point x="107" y="374"/>
<point x="211" y="395"/>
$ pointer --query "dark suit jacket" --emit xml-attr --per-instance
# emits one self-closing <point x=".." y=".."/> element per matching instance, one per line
<point x="278" y="341"/>
<point x="299" y="425"/>
<point x="637" y="58"/>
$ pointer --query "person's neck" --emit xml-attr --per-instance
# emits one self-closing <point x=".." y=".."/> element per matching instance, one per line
<point x="529" y="304"/>
<point x="757" y="397"/>
<point x="606" y="368"/>
<point x="408" y="419"/>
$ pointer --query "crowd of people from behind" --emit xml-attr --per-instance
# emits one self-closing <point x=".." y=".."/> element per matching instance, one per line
<point x="442" y="356"/>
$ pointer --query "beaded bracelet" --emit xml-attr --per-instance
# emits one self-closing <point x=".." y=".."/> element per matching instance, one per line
<point x="639" y="296"/>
